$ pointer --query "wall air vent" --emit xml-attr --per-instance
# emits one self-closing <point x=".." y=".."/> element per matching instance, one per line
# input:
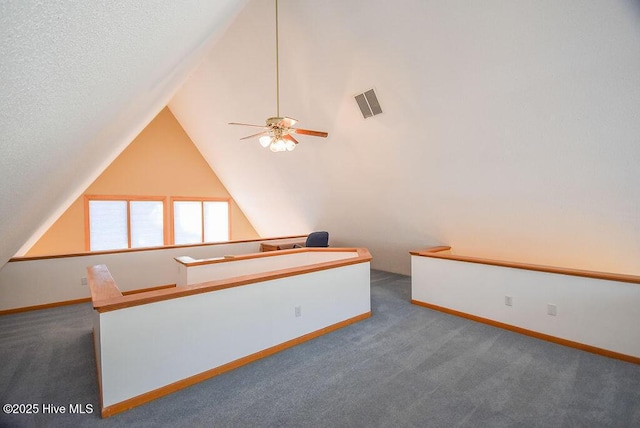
<point x="368" y="103"/>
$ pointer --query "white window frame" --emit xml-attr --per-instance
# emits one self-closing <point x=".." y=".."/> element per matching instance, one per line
<point x="128" y="199"/>
<point x="202" y="201"/>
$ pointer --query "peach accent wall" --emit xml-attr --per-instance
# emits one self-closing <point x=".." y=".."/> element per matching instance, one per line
<point x="161" y="161"/>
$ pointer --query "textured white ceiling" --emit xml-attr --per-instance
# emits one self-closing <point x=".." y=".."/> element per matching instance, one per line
<point x="510" y="129"/>
<point x="78" y="80"/>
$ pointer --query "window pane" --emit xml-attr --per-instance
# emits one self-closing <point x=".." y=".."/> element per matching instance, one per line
<point x="187" y="222"/>
<point x="108" y="225"/>
<point x="216" y="221"/>
<point x="147" y="219"/>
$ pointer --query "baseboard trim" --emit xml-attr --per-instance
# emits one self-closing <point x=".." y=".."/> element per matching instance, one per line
<point x="44" y="306"/>
<point x="532" y="333"/>
<point x="75" y="301"/>
<point x="184" y="383"/>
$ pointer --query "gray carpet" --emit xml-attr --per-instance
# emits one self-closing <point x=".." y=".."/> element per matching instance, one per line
<point x="406" y="366"/>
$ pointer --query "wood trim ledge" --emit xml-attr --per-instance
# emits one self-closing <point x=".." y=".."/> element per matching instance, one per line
<point x="160" y="248"/>
<point x="112" y="301"/>
<point x="435" y="252"/>
<point x="189" y="262"/>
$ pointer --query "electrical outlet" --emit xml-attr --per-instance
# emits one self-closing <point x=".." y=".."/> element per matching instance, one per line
<point x="83" y="280"/>
<point x="298" y="311"/>
<point x="552" y="309"/>
<point x="508" y="300"/>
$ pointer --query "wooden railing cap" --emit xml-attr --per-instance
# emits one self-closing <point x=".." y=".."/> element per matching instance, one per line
<point x="109" y="302"/>
<point x="189" y="262"/>
<point x="437" y="252"/>
<point x="103" y="287"/>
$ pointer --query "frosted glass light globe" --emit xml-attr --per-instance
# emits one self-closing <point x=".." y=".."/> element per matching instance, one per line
<point x="265" y="140"/>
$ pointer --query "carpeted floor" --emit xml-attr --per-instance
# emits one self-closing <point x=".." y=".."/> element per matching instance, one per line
<point x="406" y="366"/>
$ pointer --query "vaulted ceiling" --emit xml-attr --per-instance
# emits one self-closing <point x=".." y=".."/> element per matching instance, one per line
<point x="509" y="129"/>
<point x="78" y="81"/>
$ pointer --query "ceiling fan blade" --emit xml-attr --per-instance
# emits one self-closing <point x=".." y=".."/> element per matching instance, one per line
<point x="309" y="132"/>
<point x="246" y="124"/>
<point x="259" y="134"/>
<point x="290" y="137"/>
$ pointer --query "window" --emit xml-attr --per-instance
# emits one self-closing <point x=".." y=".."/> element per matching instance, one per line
<point x="197" y="220"/>
<point x="119" y="222"/>
<point x="115" y="223"/>
<point x="147" y="223"/>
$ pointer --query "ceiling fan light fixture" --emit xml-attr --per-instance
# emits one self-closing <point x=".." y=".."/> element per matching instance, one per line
<point x="278" y="130"/>
<point x="279" y="145"/>
<point x="265" y="141"/>
<point x="290" y="145"/>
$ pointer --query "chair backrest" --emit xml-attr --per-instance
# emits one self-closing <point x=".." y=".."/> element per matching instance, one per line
<point x="317" y="239"/>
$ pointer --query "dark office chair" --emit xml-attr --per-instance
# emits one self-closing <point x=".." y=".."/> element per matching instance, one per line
<point x="316" y="239"/>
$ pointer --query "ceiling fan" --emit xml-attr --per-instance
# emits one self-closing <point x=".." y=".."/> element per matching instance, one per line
<point x="276" y="133"/>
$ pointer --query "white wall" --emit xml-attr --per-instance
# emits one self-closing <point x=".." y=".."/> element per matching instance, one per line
<point x="510" y="129"/>
<point x="38" y="282"/>
<point x="208" y="330"/>
<point x="589" y="311"/>
<point x="231" y="268"/>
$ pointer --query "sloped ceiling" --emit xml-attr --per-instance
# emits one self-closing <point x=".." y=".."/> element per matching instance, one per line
<point x="78" y="81"/>
<point x="510" y="129"/>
